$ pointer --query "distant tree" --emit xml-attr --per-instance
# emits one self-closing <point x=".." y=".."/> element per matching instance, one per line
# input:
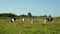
<point x="7" y="15"/>
<point x="29" y="14"/>
<point x="11" y="15"/>
<point x="45" y="15"/>
<point x="23" y="16"/>
<point x="49" y="15"/>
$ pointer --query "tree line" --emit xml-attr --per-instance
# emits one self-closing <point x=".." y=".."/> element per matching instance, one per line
<point x="14" y="15"/>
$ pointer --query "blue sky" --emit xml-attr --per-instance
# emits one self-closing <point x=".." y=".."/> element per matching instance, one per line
<point x="36" y="7"/>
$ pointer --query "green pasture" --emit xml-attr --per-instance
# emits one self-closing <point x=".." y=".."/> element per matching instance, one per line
<point x="20" y="27"/>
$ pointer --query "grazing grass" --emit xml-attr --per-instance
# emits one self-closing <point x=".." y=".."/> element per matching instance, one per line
<point x="20" y="27"/>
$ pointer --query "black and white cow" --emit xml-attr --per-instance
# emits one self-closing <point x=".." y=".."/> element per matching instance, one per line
<point x="48" y="19"/>
<point x="13" y="19"/>
<point x="33" y="21"/>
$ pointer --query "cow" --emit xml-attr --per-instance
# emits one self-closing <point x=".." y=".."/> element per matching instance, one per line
<point x="13" y="19"/>
<point x="33" y="21"/>
<point x="23" y="19"/>
<point x="48" y="19"/>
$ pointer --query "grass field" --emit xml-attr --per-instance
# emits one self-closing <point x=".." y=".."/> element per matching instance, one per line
<point x="20" y="27"/>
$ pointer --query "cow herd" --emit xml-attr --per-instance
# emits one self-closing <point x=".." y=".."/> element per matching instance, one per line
<point x="47" y="19"/>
